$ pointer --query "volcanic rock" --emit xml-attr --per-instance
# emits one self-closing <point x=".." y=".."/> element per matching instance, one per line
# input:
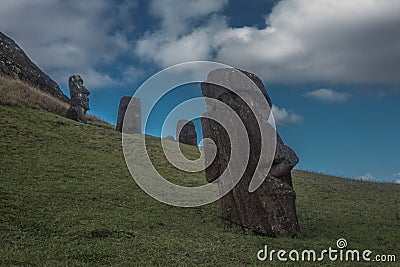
<point x="14" y="63"/>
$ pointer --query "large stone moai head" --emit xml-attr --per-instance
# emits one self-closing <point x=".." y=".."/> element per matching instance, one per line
<point x="79" y="103"/>
<point x="271" y="208"/>
<point x="133" y="123"/>
<point x="186" y="132"/>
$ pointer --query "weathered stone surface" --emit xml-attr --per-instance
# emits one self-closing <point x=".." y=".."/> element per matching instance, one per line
<point x="16" y="64"/>
<point x="186" y="132"/>
<point x="123" y="105"/>
<point x="269" y="210"/>
<point x="79" y="103"/>
<point x="133" y="124"/>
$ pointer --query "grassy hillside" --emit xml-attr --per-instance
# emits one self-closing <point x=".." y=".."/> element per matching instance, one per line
<point x="67" y="198"/>
<point x="17" y="93"/>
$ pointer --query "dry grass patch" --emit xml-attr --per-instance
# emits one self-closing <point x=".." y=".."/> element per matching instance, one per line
<point x="17" y="93"/>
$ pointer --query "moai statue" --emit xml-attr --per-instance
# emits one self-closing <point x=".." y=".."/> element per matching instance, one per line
<point x="186" y="132"/>
<point x="132" y="124"/>
<point x="79" y="103"/>
<point x="270" y="209"/>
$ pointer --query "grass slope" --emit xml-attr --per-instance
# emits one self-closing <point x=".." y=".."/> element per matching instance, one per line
<point x="67" y="198"/>
<point x="17" y="93"/>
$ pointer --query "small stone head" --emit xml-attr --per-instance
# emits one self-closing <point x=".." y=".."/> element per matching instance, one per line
<point x="79" y="93"/>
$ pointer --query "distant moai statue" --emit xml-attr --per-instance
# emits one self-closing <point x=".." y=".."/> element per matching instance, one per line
<point x="132" y="125"/>
<point x="270" y="209"/>
<point x="170" y="138"/>
<point x="79" y="103"/>
<point x="186" y="132"/>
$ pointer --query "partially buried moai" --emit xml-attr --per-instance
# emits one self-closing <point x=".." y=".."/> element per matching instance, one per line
<point x="270" y="209"/>
<point x="79" y="103"/>
<point x="186" y="132"/>
<point x="133" y="123"/>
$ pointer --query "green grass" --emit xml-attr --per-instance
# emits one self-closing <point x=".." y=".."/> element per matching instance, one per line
<point x="63" y="183"/>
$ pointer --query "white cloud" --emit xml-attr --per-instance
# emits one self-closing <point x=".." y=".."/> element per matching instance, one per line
<point x="328" y="95"/>
<point x="132" y="74"/>
<point x="303" y="41"/>
<point x="166" y="48"/>
<point x="92" y="78"/>
<point x="166" y="51"/>
<point x="328" y="40"/>
<point x="68" y="37"/>
<point x="179" y="16"/>
<point x="367" y="178"/>
<point x="283" y="116"/>
<point x="397" y="175"/>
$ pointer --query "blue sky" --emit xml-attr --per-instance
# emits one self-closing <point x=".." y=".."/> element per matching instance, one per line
<point x="331" y="67"/>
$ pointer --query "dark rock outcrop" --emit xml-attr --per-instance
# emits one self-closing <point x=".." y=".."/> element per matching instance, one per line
<point x="79" y="103"/>
<point x="16" y="64"/>
<point x="133" y="124"/>
<point x="270" y="209"/>
<point x="186" y="132"/>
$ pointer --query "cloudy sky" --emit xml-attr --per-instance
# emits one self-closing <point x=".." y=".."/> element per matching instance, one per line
<point x="331" y="67"/>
